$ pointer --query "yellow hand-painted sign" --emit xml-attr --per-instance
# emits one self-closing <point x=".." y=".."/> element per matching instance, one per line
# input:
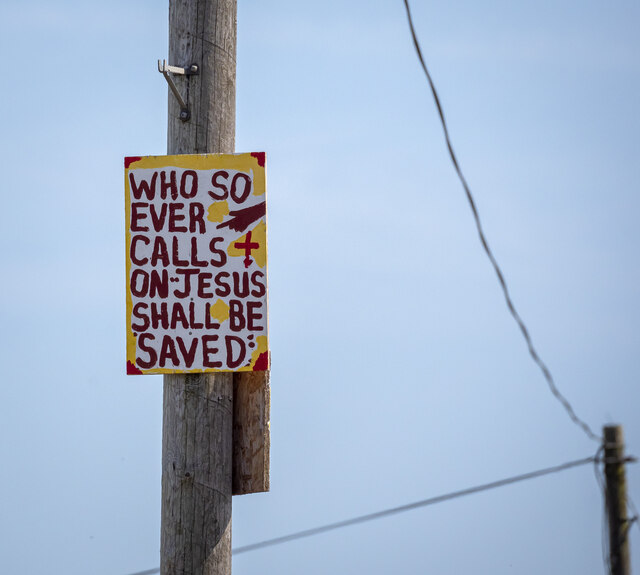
<point x="196" y="240"/>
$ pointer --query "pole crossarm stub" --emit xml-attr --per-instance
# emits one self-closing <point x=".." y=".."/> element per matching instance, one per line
<point x="165" y="70"/>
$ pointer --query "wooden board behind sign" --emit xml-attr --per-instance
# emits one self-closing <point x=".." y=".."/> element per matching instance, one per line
<point x="251" y="433"/>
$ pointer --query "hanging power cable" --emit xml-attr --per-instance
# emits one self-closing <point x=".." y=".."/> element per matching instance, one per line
<point x="402" y="508"/>
<point x="516" y="316"/>
<point x="411" y="506"/>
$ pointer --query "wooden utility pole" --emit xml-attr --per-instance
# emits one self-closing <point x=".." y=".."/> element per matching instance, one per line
<point x="616" y="500"/>
<point x="197" y="437"/>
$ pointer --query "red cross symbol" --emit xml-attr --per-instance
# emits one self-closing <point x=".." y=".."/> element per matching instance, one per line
<point x="247" y="246"/>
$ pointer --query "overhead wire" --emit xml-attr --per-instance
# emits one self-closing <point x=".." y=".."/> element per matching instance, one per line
<point x="605" y="510"/>
<point x="485" y="244"/>
<point x="635" y="518"/>
<point x="401" y="508"/>
<point x="411" y="506"/>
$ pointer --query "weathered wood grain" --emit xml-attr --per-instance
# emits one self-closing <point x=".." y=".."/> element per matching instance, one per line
<point x="203" y="32"/>
<point x="197" y="436"/>
<point x="196" y="474"/>
<point x="212" y="446"/>
<point x="251" y="434"/>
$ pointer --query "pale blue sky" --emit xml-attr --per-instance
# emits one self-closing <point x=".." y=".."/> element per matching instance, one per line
<point x="397" y="372"/>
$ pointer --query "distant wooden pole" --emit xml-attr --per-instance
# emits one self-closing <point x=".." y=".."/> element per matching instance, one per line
<point x="198" y="409"/>
<point x="616" y="499"/>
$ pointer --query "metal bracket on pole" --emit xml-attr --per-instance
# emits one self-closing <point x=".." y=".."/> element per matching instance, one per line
<point x="165" y="69"/>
